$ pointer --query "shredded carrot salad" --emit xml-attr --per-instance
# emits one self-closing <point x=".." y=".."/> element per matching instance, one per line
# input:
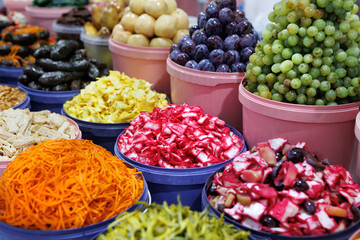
<point x="63" y="184"/>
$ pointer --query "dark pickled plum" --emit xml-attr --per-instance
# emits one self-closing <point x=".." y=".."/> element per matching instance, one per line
<point x="182" y="40"/>
<point x="278" y="155"/>
<point x="301" y="185"/>
<point x="243" y="26"/>
<point x="231" y="57"/>
<point x="228" y="3"/>
<point x="206" y="65"/>
<point x="213" y="27"/>
<point x="188" y="47"/>
<point x="223" y="68"/>
<point x="245" y="54"/>
<point x="247" y="40"/>
<point x="279" y="186"/>
<point x="232" y="42"/>
<point x="226" y="15"/>
<point x="239" y="15"/>
<point x="199" y="37"/>
<point x="192" y="64"/>
<point x="201" y="52"/>
<point x="174" y="54"/>
<point x="269" y="221"/>
<point x="212" y="10"/>
<point x="192" y="29"/>
<point x="231" y="29"/>
<point x="182" y="58"/>
<point x="295" y="155"/>
<point x="201" y="20"/>
<point x="173" y="47"/>
<point x="215" y="42"/>
<point x="216" y="56"/>
<point x="309" y="207"/>
<point x="238" y="67"/>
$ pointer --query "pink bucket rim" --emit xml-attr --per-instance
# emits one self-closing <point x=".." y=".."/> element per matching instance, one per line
<point x="150" y="53"/>
<point x="204" y="78"/>
<point x="298" y="112"/>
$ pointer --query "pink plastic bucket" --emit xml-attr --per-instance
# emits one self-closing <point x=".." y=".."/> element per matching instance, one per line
<point x="3" y="164"/>
<point x="327" y="130"/>
<point x="44" y="17"/>
<point x="16" y="6"/>
<point x="357" y="134"/>
<point x="216" y="93"/>
<point x="146" y="63"/>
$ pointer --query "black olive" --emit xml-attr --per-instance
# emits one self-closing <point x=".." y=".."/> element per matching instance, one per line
<point x="301" y="185"/>
<point x="295" y="155"/>
<point x="356" y="212"/>
<point x="278" y="155"/>
<point x="315" y="163"/>
<point x="212" y="190"/>
<point x="309" y="207"/>
<point x="276" y="169"/>
<point x="269" y="221"/>
<point x="279" y="186"/>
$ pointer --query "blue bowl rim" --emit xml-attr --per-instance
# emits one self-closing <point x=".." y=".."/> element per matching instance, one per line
<point x="82" y="229"/>
<point x="20" y="85"/>
<point x="188" y="170"/>
<point x="266" y="235"/>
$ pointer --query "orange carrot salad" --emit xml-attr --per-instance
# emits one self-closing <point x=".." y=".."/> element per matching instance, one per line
<point x="63" y="184"/>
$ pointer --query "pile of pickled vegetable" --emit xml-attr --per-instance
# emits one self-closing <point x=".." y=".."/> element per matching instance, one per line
<point x="171" y="222"/>
<point x="64" y="184"/>
<point x="283" y="188"/>
<point x="61" y="67"/>
<point x="10" y="97"/>
<point x="18" y="44"/>
<point x="179" y="136"/>
<point x="116" y="98"/>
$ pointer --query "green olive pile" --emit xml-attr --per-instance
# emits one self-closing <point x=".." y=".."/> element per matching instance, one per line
<point x="309" y="54"/>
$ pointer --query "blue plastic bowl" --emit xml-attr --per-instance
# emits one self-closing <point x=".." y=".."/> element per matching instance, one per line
<point x="47" y="100"/>
<point x="262" y="235"/>
<point x="24" y="104"/>
<point x="166" y="183"/>
<point x="8" y="232"/>
<point x="103" y="134"/>
<point x="10" y="74"/>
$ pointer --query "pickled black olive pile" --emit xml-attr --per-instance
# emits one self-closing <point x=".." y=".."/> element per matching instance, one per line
<point x="61" y="67"/>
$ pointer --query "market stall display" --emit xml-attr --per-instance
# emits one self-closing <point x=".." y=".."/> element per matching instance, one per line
<point x="44" y="12"/>
<point x="284" y="189"/>
<point x="10" y="97"/>
<point x="17" y="46"/>
<point x="304" y="61"/>
<point x="222" y="41"/>
<point x="105" y="107"/>
<point x="174" y="221"/>
<point x="356" y="171"/>
<point x="207" y="66"/>
<point x="60" y="71"/>
<point x="177" y="148"/>
<point x="71" y="199"/>
<point x="70" y="25"/>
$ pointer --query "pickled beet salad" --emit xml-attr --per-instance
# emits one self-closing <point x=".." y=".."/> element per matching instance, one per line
<point x="222" y="40"/>
<point x="179" y="136"/>
<point x="284" y="189"/>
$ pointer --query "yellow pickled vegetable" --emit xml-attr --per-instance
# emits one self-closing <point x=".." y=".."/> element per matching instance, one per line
<point x="115" y="98"/>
